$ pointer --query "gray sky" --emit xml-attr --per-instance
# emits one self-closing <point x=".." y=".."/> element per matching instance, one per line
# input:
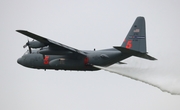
<point x="86" y="25"/>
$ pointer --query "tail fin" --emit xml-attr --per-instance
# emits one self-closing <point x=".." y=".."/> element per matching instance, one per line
<point x="136" y="38"/>
<point x="135" y="41"/>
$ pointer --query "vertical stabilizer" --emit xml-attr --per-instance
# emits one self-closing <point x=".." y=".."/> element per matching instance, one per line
<point x="136" y="38"/>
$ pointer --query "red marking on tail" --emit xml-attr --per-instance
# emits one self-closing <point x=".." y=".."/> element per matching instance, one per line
<point x="129" y="44"/>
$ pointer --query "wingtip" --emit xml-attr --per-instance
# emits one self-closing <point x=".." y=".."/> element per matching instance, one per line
<point x="20" y="31"/>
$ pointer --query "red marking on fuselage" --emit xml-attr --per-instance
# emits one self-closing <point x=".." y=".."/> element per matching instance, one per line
<point x="46" y="60"/>
<point x="86" y="60"/>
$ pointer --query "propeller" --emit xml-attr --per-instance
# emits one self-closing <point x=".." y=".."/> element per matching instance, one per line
<point x="27" y="44"/>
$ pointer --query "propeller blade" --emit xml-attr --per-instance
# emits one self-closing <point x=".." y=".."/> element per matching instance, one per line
<point x="30" y="51"/>
<point x="25" y="46"/>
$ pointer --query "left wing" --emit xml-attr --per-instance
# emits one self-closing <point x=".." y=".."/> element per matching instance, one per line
<point x="51" y="43"/>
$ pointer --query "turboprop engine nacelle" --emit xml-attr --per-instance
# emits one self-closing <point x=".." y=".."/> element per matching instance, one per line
<point x="36" y="44"/>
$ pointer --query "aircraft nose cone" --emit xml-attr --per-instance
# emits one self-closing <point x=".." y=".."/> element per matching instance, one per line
<point x="19" y="60"/>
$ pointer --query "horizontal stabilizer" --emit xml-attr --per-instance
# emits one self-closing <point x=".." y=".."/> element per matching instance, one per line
<point x="135" y="53"/>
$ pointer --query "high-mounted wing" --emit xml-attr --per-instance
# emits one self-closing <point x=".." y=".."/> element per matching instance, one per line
<point x="51" y="43"/>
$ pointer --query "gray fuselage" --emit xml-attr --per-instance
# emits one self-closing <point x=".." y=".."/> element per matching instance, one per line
<point x="71" y="61"/>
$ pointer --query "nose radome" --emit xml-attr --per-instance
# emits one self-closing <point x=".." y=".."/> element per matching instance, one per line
<point x="19" y="60"/>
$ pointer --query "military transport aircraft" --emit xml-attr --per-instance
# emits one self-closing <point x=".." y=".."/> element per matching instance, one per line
<point x="44" y="53"/>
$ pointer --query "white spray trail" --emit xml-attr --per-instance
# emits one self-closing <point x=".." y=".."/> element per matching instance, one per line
<point x="163" y="77"/>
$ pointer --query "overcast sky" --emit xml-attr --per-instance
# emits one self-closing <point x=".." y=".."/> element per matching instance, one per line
<point x="84" y="24"/>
